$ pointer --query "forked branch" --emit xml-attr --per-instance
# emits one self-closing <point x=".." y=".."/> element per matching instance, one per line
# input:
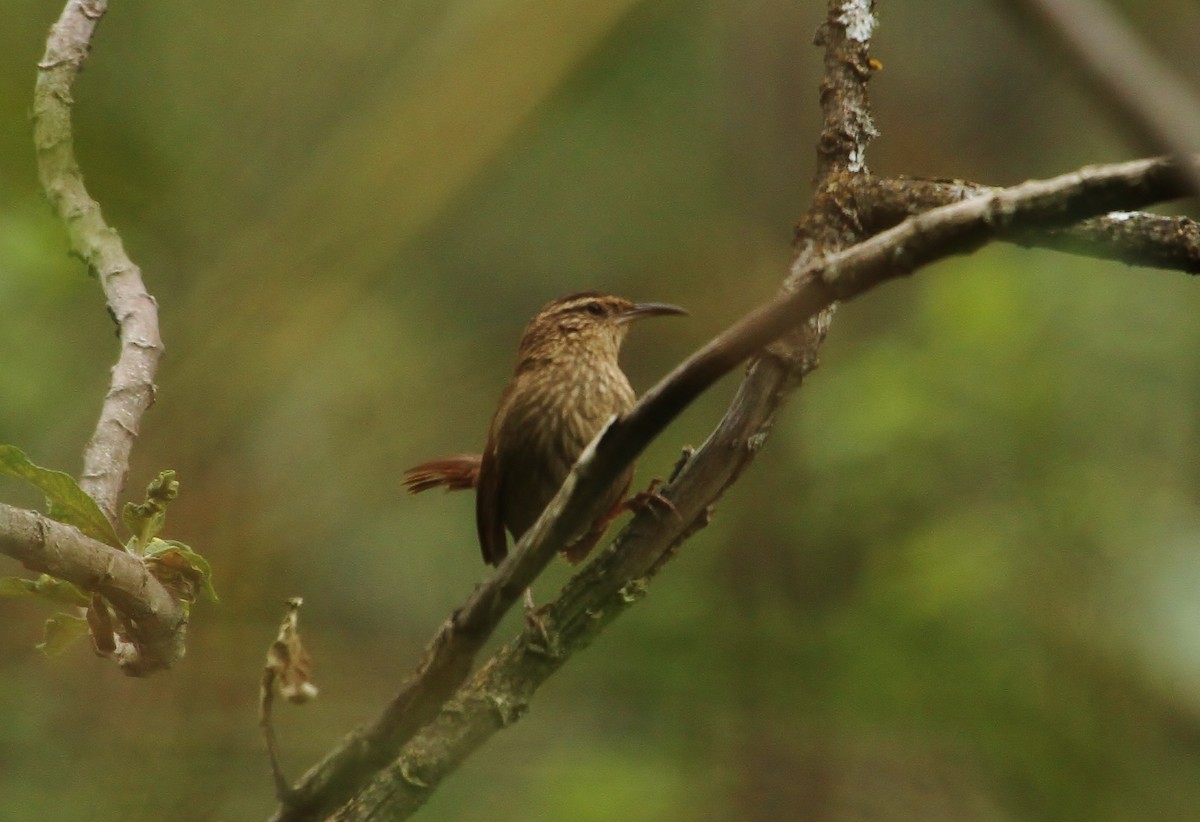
<point x="822" y="273"/>
<point x="953" y="229"/>
<point x="152" y="622"/>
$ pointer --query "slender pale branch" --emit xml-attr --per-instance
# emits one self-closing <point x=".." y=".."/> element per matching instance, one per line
<point x="154" y="621"/>
<point x="1150" y="103"/>
<point x="131" y="390"/>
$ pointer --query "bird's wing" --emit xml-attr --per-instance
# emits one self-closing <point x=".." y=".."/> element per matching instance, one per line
<point x="489" y="506"/>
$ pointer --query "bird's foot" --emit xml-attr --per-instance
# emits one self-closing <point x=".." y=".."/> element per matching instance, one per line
<point x="540" y="639"/>
<point x="651" y="500"/>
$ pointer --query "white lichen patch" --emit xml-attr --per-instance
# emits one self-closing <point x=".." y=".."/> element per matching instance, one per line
<point x="856" y="162"/>
<point x="858" y="20"/>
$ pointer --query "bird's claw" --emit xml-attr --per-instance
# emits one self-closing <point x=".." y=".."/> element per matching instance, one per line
<point x="652" y="500"/>
<point x="535" y="625"/>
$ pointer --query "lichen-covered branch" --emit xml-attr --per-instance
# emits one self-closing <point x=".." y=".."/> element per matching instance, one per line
<point x="388" y="769"/>
<point x="131" y="391"/>
<point x="498" y="693"/>
<point x="1134" y="238"/>
<point x="845" y="107"/>
<point x="1130" y="237"/>
<point x="449" y="657"/>
<point x="816" y="281"/>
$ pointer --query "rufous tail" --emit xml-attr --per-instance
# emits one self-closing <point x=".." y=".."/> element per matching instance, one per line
<point x="456" y="473"/>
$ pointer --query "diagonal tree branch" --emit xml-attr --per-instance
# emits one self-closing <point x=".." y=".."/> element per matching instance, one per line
<point x="795" y="321"/>
<point x="949" y="230"/>
<point x="450" y="655"/>
<point x="498" y="694"/>
<point x="131" y="391"/>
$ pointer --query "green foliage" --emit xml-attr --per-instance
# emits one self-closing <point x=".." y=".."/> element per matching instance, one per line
<point x="145" y="520"/>
<point x="70" y="504"/>
<point x="61" y="632"/>
<point x="44" y="587"/>
<point x="180" y="569"/>
<point x="65" y="500"/>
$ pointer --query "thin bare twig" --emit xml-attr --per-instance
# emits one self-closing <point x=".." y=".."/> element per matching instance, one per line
<point x="266" y="699"/>
<point x="288" y="666"/>
<point x="131" y="391"/>
<point x="1152" y="106"/>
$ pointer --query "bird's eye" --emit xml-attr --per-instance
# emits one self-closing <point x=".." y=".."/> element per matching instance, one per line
<point x="595" y="309"/>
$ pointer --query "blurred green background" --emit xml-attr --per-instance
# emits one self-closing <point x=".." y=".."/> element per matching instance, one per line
<point x="961" y="582"/>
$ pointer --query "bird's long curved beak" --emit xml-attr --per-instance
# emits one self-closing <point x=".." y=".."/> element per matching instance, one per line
<point x="649" y="310"/>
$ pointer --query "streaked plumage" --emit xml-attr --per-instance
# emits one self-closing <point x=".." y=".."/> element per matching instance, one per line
<point x="566" y="385"/>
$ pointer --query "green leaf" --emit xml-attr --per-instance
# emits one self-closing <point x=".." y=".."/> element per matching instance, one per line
<point x="146" y="520"/>
<point x="61" y="631"/>
<point x="52" y="589"/>
<point x="66" y="501"/>
<point x="180" y="569"/>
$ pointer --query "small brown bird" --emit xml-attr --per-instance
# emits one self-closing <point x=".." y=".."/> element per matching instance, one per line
<point x="566" y="386"/>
